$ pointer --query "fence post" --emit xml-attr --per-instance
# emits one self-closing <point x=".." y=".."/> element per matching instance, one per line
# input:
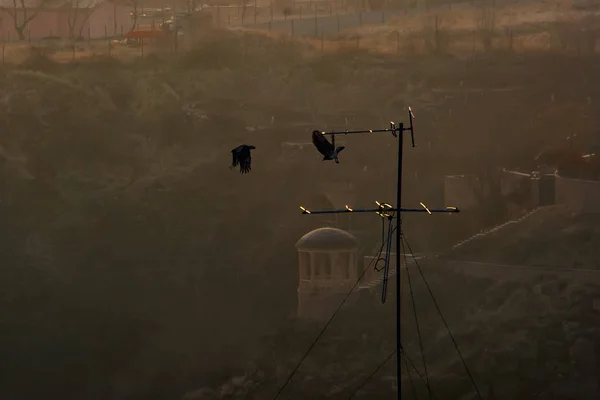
<point x="322" y="41"/>
<point x="2" y="52"/>
<point x="89" y="37"/>
<point x="397" y="42"/>
<point x="360" y="18"/>
<point x="338" y="23"/>
<point x="29" y="36"/>
<point x="357" y="41"/>
<point x="292" y="27"/>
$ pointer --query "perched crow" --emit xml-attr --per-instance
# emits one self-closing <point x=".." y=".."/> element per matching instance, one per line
<point x="326" y="148"/>
<point x="241" y="156"/>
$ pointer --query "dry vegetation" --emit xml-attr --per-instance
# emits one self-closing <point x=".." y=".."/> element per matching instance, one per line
<point x="136" y="265"/>
<point x="467" y="29"/>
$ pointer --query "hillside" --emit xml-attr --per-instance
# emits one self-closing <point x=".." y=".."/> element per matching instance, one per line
<point x="469" y="28"/>
<point x="548" y="237"/>
<point x="524" y="332"/>
<point x="135" y="264"/>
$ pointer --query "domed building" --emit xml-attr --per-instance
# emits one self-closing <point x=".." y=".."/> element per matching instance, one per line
<point x="328" y="260"/>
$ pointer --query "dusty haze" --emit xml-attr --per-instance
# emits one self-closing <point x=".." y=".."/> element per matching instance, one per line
<point x="136" y="265"/>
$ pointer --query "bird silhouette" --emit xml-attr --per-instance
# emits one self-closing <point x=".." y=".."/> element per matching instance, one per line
<point x="324" y="147"/>
<point x="241" y="157"/>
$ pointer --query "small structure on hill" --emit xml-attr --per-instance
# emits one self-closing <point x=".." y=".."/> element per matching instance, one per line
<point x="463" y="190"/>
<point x="327" y="271"/>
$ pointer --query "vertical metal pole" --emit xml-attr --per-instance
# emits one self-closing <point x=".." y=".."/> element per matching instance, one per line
<point x="398" y="255"/>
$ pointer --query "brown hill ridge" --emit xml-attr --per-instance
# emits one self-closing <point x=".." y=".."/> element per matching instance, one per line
<point x="547" y="237"/>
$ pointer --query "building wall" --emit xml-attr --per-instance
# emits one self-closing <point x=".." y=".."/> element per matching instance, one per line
<point x="512" y="181"/>
<point x="324" y="279"/>
<point x="460" y="190"/>
<point x="114" y="18"/>
<point x="577" y="194"/>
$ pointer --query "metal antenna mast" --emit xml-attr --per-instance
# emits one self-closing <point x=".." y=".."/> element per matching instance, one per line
<point x="384" y="210"/>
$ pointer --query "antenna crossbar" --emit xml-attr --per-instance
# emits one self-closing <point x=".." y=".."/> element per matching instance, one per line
<point x="380" y="210"/>
<point x="387" y="130"/>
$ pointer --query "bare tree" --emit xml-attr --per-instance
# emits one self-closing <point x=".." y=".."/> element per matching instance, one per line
<point x="486" y="25"/>
<point x="190" y="6"/>
<point x="135" y="5"/>
<point x="79" y="12"/>
<point x="244" y="4"/>
<point x="22" y="13"/>
<point x="436" y="38"/>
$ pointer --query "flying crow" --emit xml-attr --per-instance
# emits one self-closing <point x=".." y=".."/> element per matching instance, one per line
<point x="322" y="144"/>
<point x="241" y="157"/>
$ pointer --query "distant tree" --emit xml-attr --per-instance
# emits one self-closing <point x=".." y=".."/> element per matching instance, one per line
<point x="244" y="4"/>
<point x="79" y="12"/>
<point x="22" y="13"/>
<point x="190" y="5"/>
<point x="135" y="5"/>
<point x="486" y="26"/>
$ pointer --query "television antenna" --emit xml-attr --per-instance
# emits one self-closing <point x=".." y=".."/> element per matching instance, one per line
<point x="386" y="210"/>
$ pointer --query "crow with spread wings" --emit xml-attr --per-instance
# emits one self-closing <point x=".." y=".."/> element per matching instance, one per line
<point x="324" y="147"/>
<point x="241" y="157"/>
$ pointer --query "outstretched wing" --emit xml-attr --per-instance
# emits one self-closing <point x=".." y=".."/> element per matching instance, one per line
<point x="238" y="154"/>
<point x="241" y="156"/>
<point x="321" y="143"/>
<point x="246" y="163"/>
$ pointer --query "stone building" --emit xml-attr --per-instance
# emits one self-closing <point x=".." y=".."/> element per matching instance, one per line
<point x="328" y="268"/>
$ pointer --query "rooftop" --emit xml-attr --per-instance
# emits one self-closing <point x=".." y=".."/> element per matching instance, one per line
<point x="327" y="239"/>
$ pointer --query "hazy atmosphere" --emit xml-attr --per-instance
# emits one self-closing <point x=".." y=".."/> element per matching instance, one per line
<point x="137" y="262"/>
